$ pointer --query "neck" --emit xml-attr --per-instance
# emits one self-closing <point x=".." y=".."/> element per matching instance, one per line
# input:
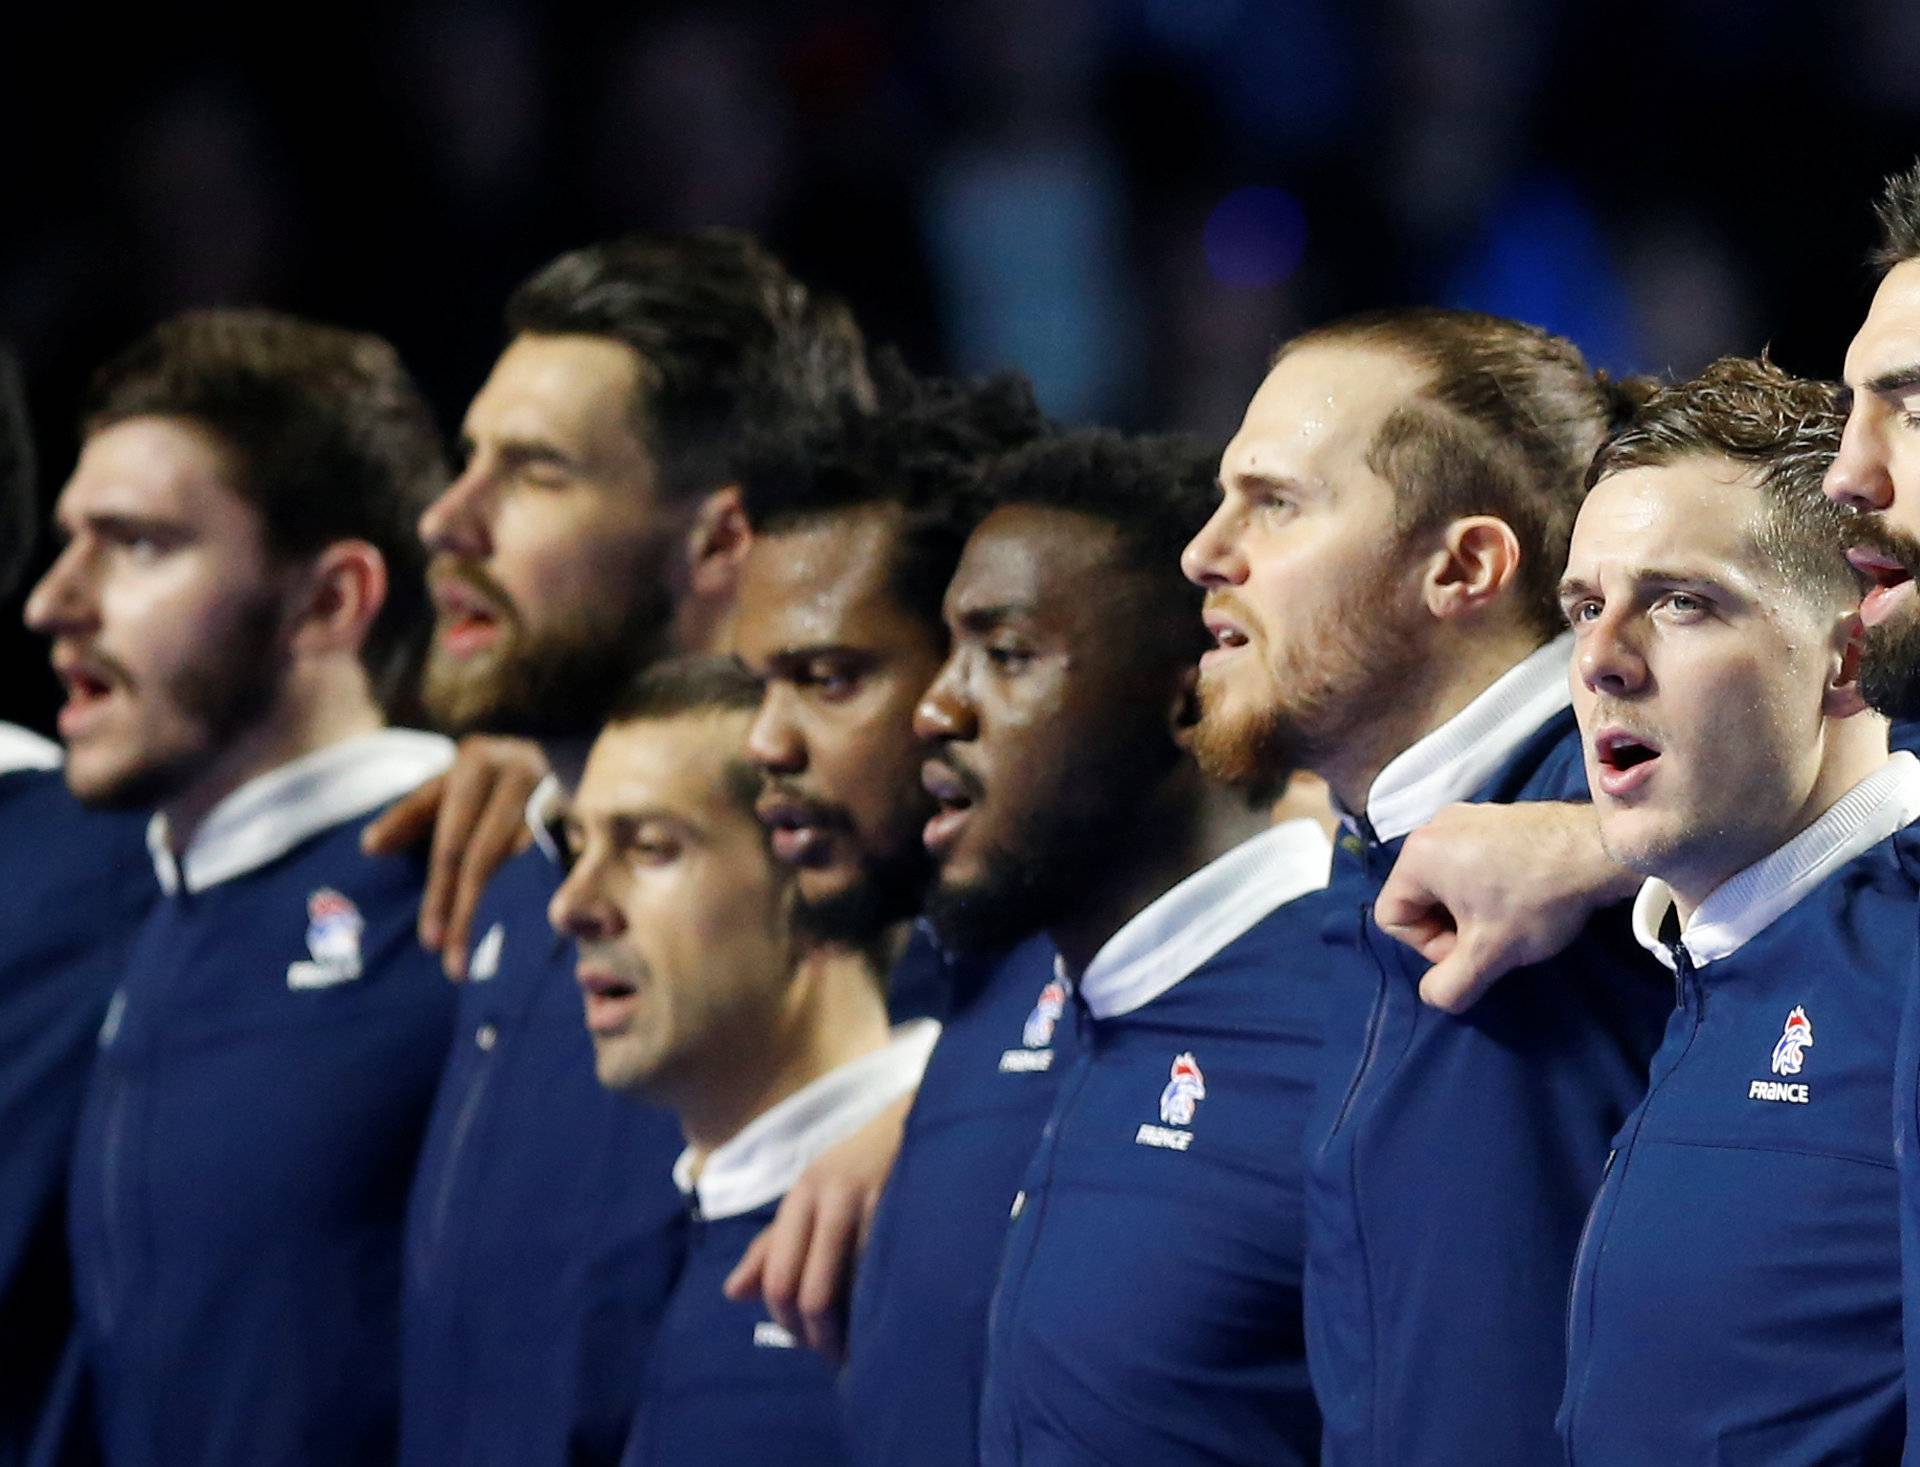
<point x="1188" y="823"/>
<point x="317" y="710"/>
<point x="1456" y="668"/>
<point x="702" y="625"/>
<point x="832" y="1014"/>
<point x="1855" y="748"/>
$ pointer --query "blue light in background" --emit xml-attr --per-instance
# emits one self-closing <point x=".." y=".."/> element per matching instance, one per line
<point x="1255" y="236"/>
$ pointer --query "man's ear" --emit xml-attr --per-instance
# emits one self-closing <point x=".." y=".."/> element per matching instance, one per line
<point x="1478" y="558"/>
<point x="1841" y="698"/>
<point x="717" y="543"/>
<point x="1183" y="712"/>
<point x="340" y="594"/>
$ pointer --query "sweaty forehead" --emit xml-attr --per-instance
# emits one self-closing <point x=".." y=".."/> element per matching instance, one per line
<point x="824" y="582"/>
<point x="1038" y="559"/>
<point x="1319" y="410"/>
<point x="1889" y="339"/>
<point x="1697" y="515"/>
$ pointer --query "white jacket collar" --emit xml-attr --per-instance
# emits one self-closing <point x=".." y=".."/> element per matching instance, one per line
<point x="1466" y="751"/>
<point x="544" y="806"/>
<point x="272" y="813"/>
<point x="20" y="749"/>
<point x="1178" y="931"/>
<point x="761" y="1164"/>
<point x="1745" y="904"/>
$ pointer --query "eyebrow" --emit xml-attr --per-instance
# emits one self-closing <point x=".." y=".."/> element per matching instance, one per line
<point x="986" y="618"/>
<point x="520" y="451"/>
<point x="1573" y="586"/>
<point x="1900" y="379"/>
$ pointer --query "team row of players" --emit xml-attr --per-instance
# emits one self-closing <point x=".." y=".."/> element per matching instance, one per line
<point x="1143" y="1145"/>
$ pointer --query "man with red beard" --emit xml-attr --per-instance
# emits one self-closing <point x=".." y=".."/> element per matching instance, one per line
<point x="74" y="884"/>
<point x="594" y="527"/>
<point x="1381" y="575"/>
<point x="235" y="602"/>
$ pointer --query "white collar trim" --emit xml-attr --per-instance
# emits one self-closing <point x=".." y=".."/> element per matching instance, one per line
<point x="1179" y="930"/>
<point x="1748" y="902"/>
<point x="1462" y="754"/>
<point x="20" y="749"/>
<point x="761" y="1164"/>
<point x="544" y="806"/>
<point x="272" y="813"/>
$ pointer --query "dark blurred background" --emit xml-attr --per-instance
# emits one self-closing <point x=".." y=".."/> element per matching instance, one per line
<point x="1134" y="200"/>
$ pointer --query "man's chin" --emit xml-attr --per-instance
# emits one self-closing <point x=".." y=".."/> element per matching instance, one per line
<point x="1890" y="667"/>
<point x="1252" y="751"/>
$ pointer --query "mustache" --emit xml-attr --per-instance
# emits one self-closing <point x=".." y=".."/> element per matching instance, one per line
<point x="971" y="785"/>
<point x="471" y="574"/>
<point x="776" y="791"/>
<point x="1872" y="532"/>
<point x="94" y="660"/>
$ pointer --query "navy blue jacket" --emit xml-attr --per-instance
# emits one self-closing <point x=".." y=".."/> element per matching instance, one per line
<point x="725" y="1386"/>
<point x="1149" y="1302"/>
<point x="544" y="1230"/>
<point x="241" y="1169"/>
<point x="1451" y="1161"/>
<point x="1737" y="1292"/>
<point x="918" y="1338"/>
<point x="74" y="884"/>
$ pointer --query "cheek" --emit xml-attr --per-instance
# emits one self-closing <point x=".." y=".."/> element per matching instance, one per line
<point x="552" y="555"/>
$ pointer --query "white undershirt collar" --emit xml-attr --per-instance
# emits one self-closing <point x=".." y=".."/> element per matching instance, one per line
<point x="272" y="813"/>
<point x="1179" y="930"/>
<point x="1746" y="903"/>
<point x="1466" y="751"/>
<point x="20" y="749"/>
<point x="761" y="1163"/>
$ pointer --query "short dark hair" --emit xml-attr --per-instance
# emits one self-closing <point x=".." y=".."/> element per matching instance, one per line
<point x="1505" y="425"/>
<point x="19" y="486"/>
<point x="1156" y="491"/>
<point x="1786" y="429"/>
<point x="330" y="441"/>
<point x="725" y="336"/>
<point x="1898" y="210"/>
<point x="683" y="687"/>
<point x="922" y="451"/>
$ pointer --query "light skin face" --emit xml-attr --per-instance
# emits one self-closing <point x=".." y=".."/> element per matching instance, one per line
<point x="553" y="552"/>
<point x="843" y="663"/>
<point x="1312" y="608"/>
<point x="172" y="627"/>
<point x="1675" y="609"/>
<point x="1877" y="472"/>
<point x="680" y="913"/>
<point x="1042" y="722"/>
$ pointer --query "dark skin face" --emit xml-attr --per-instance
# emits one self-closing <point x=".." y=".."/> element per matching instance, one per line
<point x="1052" y="721"/>
<point x="819" y="622"/>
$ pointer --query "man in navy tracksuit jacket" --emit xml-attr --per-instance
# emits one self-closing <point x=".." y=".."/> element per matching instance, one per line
<point x="1876" y="473"/>
<point x="74" y="884"/>
<point x="858" y="523"/>
<point x="229" y="612"/>
<point x="1737" y="1293"/>
<point x="1148" y="1305"/>
<point x="919" y="1310"/>
<point x="703" y="992"/>
<point x="544" y="1228"/>
<point x="1381" y="577"/>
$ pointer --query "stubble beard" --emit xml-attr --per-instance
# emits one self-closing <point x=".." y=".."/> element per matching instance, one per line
<point x="226" y="692"/>
<point x="557" y="682"/>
